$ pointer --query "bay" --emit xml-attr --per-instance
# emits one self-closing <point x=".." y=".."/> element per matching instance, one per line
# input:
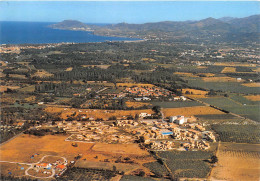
<point x="39" y="33"/>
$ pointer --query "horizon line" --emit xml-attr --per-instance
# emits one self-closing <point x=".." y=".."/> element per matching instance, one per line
<point x="123" y="21"/>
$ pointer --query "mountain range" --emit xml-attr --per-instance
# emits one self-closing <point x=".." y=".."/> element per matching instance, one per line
<point x="227" y="28"/>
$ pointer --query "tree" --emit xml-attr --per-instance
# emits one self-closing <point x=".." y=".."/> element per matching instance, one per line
<point x="187" y="92"/>
<point x="114" y="168"/>
<point x="214" y="159"/>
<point x="136" y="117"/>
<point x="157" y="109"/>
<point x="142" y="173"/>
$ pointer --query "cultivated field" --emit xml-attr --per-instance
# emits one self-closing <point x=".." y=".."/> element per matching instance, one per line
<point x="106" y="165"/>
<point x="105" y="114"/>
<point x="176" y="104"/>
<point x="4" y="88"/>
<point x="190" y="111"/>
<point x="189" y="164"/>
<point x="136" y="104"/>
<point x="234" y="64"/>
<point x="30" y="88"/>
<point x="253" y="84"/>
<point x="253" y="97"/>
<point x="69" y="69"/>
<point x="237" y="162"/>
<point x="236" y="104"/>
<point x="220" y="79"/>
<point x="95" y="113"/>
<point x="42" y="73"/>
<point x="134" y="84"/>
<point x="194" y="91"/>
<point x="129" y="149"/>
<point x="229" y="70"/>
<point x="185" y="74"/>
<point x="100" y="66"/>
<point x="223" y="86"/>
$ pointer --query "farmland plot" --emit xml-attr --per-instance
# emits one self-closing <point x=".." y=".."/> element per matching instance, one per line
<point x="189" y="164"/>
<point x="238" y="133"/>
<point x="223" y="86"/>
<point x="176" y="104"/>
<point x="237" y="105"/>
<point x="237" y="162"/>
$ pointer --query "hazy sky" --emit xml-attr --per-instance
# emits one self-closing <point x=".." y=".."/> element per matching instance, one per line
<point x="118" y="11"/>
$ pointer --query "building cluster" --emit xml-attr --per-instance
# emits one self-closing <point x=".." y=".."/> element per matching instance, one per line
<point x="46" y="168"/>
<point x="94" y="132"/>
<point x="10" y="49"/>
<point x="146" y="92"/>
<point x="161" y="145"/>
<point x="152" y="133"/>
<point x="17" y="49"/>
<point x="161" y="135"/>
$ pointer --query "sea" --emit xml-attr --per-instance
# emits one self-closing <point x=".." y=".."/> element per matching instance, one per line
<point x="40" y="33"/>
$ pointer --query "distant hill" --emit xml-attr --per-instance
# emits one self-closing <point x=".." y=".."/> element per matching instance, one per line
<point x="226" y="19"/>
<point x="227" y="28"/>
<point x="70" y="25"/>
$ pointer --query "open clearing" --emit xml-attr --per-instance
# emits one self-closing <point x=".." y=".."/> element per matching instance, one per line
<point x="21" y="148"/>
<point x="100" y="66"/>
<point x="237" y="162"/>
<point x="229" y="70"/>
<point x="69" y="69"/>
<point x="194" y="91"/>
<point x="132" y="149"/>
<point x="220" y="79"/>
<point x="106" y="166"/>
<point x="185" y="74"/>
<point x="223" y="86"/>
<point x="134" y="84"/>
<point x="42" y="73"/>
<point x="234" y="64"/>
<point x="4" y="88"/>
<point x="30" y="88"/>
<point x="253" y="97"/>
<point x="136" y="104"/>
<point x="105" y="114"/>
<point x="95" y="113"/>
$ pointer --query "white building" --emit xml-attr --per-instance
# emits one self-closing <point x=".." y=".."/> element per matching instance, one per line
<point x="177" y="119"/>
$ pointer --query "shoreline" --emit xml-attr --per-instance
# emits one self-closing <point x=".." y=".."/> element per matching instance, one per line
<point x="68" y="43"/>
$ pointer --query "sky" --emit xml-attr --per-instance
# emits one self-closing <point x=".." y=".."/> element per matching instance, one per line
<point x="124" y="11"/>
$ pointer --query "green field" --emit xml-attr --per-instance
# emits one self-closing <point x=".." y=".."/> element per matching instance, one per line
<point x="189" y="164"/>
<point x="235" y="87"/>
<point x="30" y="88"/>
<point x="137" y="178"/>
<point x="250" y="111"/>
<point x="176" y="104"/>
<point x="219" y="118"/>
<point x="156" y="168"/>
<point x="238" y="133"/>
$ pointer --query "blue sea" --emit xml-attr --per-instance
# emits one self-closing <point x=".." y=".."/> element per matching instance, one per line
<point x="38" y="32"/>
